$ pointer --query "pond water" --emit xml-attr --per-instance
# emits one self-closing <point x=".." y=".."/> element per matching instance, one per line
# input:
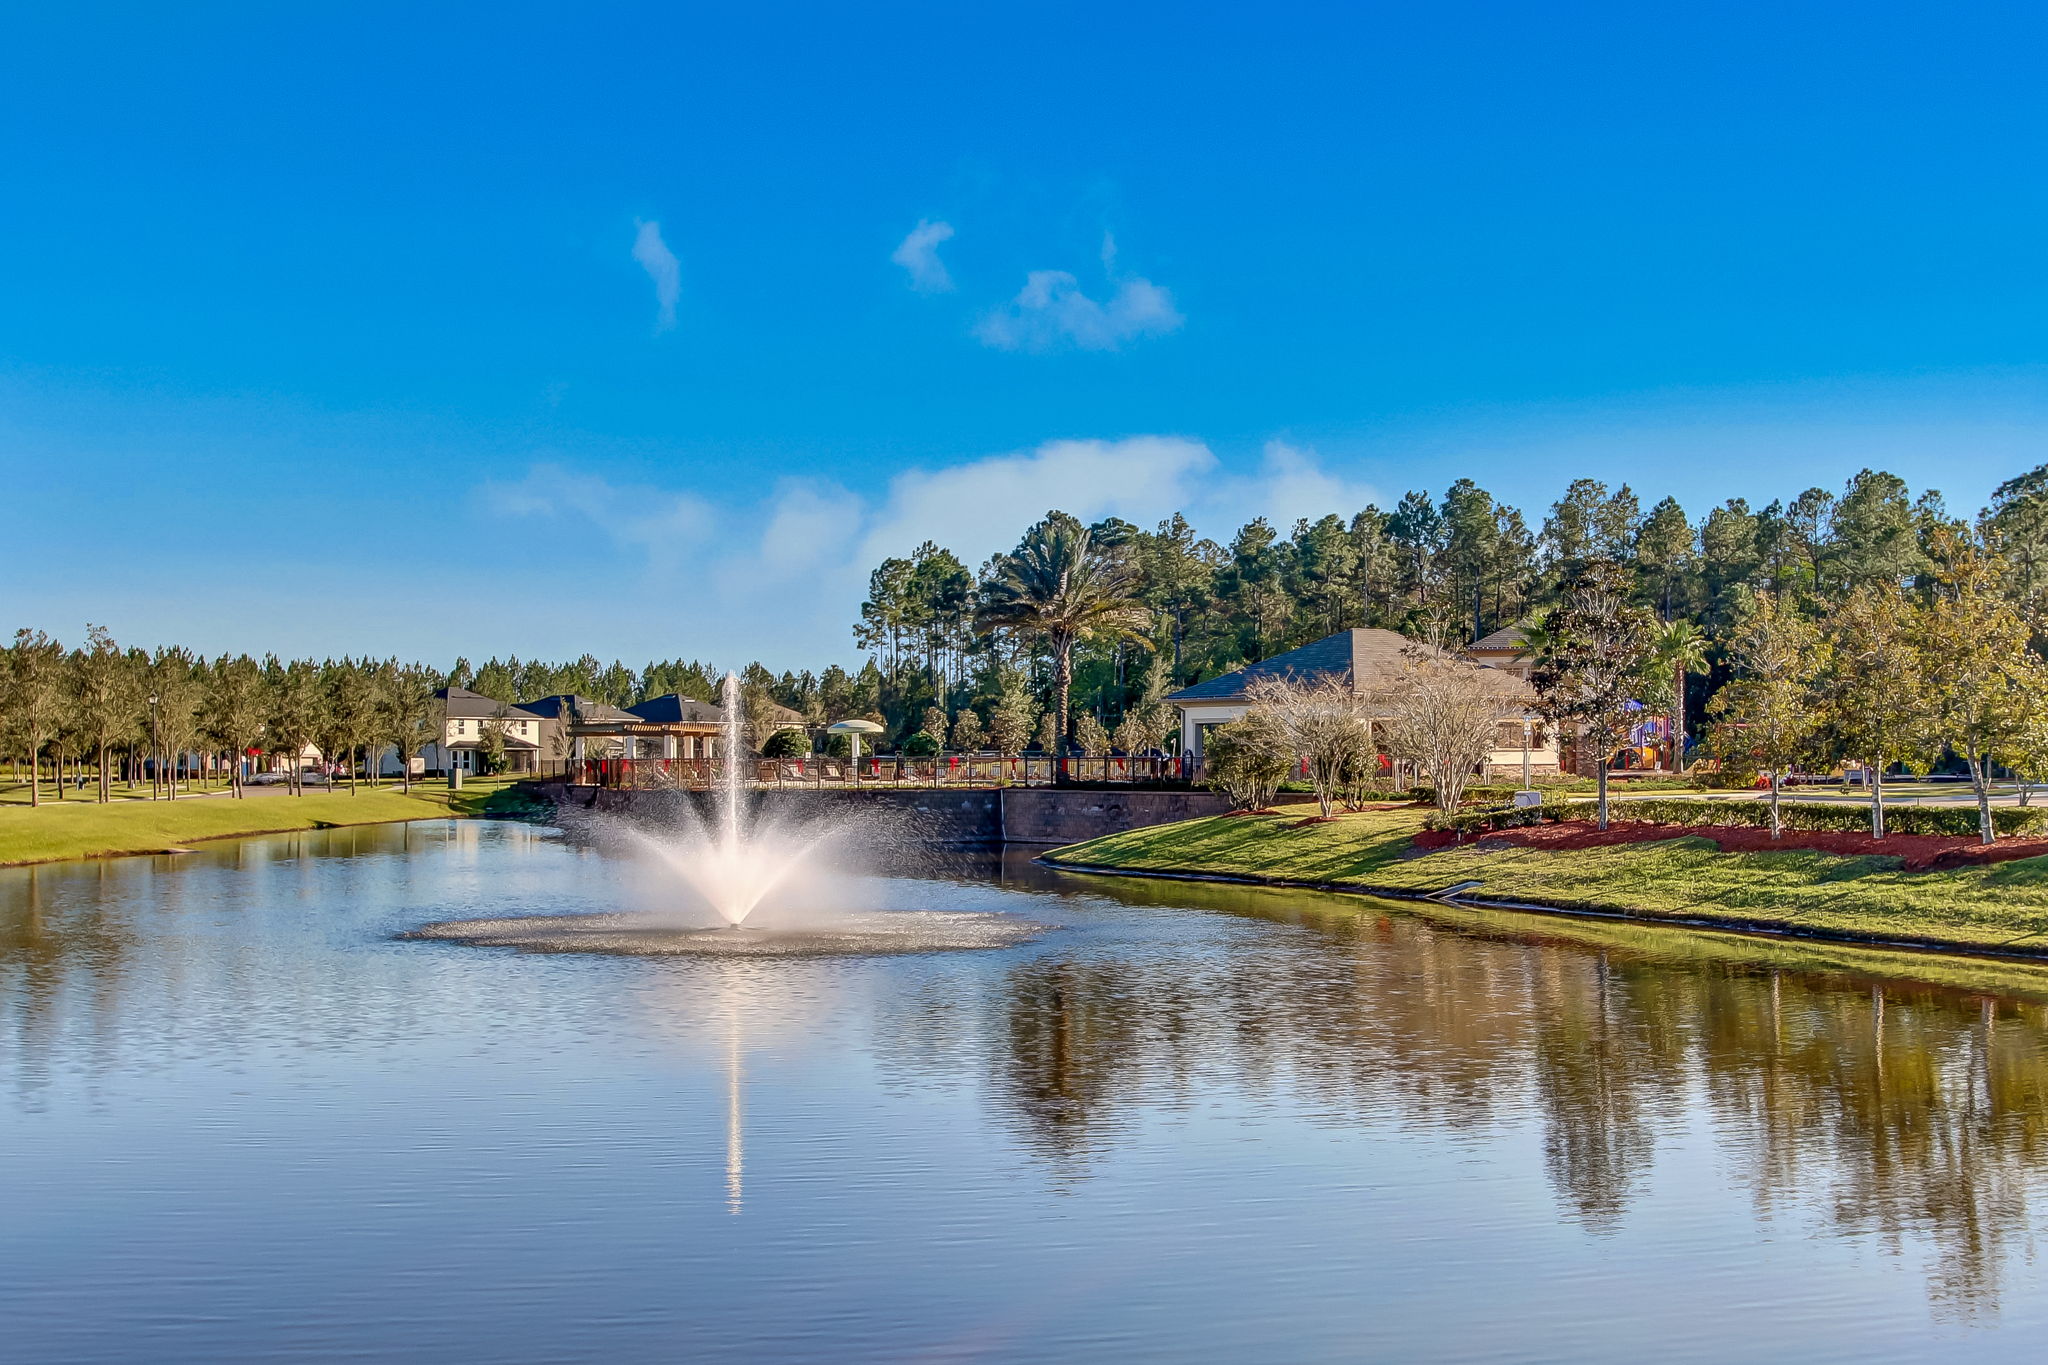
<point x="240" y="1119"/>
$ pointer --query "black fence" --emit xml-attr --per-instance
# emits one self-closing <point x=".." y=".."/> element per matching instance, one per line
<point x="883" y="770"/>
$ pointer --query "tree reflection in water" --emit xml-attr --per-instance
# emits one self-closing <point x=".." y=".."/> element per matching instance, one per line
<point x="49" y="953"/>
<point x="1883" y="1106"/>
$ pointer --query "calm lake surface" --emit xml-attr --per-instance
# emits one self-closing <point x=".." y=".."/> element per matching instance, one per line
<point x="239" y="1120"/>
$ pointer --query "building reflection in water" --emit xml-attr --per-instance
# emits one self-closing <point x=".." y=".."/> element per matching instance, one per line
<point x="1887" y="1107"/>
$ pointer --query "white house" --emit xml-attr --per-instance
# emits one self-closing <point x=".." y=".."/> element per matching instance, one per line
<point x="464" y="716"/>
<point x="1368" y="660"/>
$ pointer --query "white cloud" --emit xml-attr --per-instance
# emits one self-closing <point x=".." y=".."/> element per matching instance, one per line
<point x="662" y="267"/>
<point x="781" y="579"/>
<point x="982" y="506"/>
<point x="666" y="529"/>
<point x="1291" y="484"/>
<point x="1051" y="311"/>
<point x="918" y="254"/>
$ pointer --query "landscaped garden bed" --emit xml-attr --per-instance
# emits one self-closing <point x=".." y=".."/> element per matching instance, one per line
<point x="1916" y="852"/>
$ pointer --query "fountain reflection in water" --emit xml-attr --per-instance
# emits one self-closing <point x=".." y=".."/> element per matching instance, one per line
<point x="751" y="884"/>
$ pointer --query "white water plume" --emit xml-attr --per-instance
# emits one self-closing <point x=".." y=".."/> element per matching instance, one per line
<point x="737" y="863"/>
<point x="785" y="878"/>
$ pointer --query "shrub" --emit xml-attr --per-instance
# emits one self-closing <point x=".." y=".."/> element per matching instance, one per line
<point x="920" y="745"/>
<point x="1467" y="823"/>
<point x="1824" y="817"/>
<point x="786" y="744"/>
<point x="1247" y="759"/>
<point x="1814" y="817"/>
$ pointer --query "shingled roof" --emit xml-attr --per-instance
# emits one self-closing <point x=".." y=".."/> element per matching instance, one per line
<point x="1507" y="637"/>
<point x="566" y="706"/>
<point x="672" y="709"/>
<point x="468" y="705"/>
<point x="1364" y="658"/>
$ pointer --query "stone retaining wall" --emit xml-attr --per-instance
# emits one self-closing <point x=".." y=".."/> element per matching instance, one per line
<point x="1019" y="815"/>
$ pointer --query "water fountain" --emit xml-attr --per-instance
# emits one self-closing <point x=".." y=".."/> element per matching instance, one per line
<point x="751" y="885"/>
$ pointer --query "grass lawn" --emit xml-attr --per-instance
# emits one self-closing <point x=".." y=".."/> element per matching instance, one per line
<point x="86" y="829"/>
<point x="2002" y="905"/>
<point x="16" y="793"/>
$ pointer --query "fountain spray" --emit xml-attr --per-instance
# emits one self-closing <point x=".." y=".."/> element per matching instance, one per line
<point x="729" y="792"/>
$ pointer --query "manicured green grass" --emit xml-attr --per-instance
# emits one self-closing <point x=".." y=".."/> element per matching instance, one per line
<point x="2004" y="904"/>
<point x="12" y="792"/>
<point x="86" y="829"/>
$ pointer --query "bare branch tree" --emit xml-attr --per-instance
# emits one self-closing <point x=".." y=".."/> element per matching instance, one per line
<point x="1326" y="725"/>
<point x="1443" y="714"/>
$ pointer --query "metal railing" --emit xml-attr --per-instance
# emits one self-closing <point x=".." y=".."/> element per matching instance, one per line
<point x="886" y="770"/>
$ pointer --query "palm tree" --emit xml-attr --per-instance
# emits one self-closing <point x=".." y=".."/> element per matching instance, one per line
<point x="1062" y="587"/>
<point x="1681" y="647"/>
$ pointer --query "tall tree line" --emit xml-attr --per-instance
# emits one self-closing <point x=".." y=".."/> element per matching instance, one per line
<point x="1465" y="563"/>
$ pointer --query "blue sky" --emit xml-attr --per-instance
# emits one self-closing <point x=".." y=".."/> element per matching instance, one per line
<point x="645" y="331"/>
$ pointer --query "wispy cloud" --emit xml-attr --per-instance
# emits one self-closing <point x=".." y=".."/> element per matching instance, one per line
<point x="662" y="267"/>
<point x="918" y="254"/>
<point x="782" y="578"/>
<point x="665" y="528"/>
<point x="1291" y="483"/>
<point x="1052" y="311"/>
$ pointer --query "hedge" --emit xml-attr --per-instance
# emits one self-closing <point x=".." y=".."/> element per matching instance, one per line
<point x="1806" y="816"/>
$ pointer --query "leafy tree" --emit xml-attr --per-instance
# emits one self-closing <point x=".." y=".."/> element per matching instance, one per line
<point x="411" y="714"/>
<point x="295" y="716"/>
<point x="175" y="685"/>
<point x="1873" y="684"/>
<point x="1768" y="713"/>
<point x="353" y="713"/>
<point x="1595" y="646"/>
<point x="1049" y="738"/>
<point x="1982" y="679"/>
<point x="107" y="696"/>
<point x="1015" y="717"/>
<point x="234" y="709"/>
<point x="1059" y="588"/>
<point x="34" y="701"/>
<point x="1089" y="735"/>
<point x="968" y="735"/>
<point x="490" y="744"/>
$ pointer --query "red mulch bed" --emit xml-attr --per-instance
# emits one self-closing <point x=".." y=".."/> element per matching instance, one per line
<point x="1921" y="852"/>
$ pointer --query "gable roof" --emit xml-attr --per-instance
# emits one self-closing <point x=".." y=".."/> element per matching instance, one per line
<point x="671" y="709"/>
<point x="462" y="702"/>
<point x="1502" y="640"/>
<point x="1364" y="658"/>
<point x="568" y="706"/>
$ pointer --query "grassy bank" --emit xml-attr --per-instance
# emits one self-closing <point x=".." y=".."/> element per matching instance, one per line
<point x="2004" y="906"/>
<point x="82" y="829"/>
